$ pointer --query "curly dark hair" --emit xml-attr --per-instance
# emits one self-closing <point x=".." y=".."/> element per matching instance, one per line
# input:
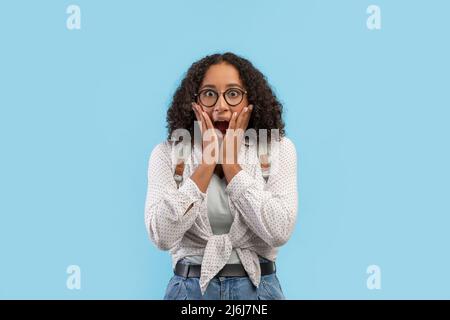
<point x="267" y="109"/>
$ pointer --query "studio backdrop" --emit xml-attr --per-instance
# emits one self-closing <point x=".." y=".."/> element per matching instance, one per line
<point x="84" y="91"/>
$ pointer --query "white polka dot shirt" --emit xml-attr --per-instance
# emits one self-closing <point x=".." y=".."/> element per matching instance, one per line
<point x="264" y="212"/>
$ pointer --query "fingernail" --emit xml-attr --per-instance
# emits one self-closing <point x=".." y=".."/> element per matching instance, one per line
<point x="234" y="114"/>
<point x="245" y="109"/>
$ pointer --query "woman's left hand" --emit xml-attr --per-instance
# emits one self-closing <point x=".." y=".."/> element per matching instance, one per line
<point x="233" y="138"/>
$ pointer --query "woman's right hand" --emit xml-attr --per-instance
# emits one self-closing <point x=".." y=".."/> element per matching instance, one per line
<point x="210" y="140"/>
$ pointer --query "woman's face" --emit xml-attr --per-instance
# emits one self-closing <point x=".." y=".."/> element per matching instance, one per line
<point x="219" y="78"/>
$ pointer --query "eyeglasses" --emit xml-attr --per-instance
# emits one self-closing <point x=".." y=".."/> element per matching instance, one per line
<point x="208" y="97"/>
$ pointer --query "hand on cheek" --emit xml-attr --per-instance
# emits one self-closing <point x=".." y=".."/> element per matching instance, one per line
<point x="233" y="138"/>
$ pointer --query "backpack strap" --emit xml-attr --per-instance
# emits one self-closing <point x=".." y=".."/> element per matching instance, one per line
<point x="264" y="162"/>
<point x="179" y="169"/>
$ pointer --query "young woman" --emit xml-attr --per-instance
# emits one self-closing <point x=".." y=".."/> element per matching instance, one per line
<point x="223" y="220"/>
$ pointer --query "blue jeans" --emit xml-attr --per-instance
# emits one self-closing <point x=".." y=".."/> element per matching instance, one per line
<point x="225" y="288"/>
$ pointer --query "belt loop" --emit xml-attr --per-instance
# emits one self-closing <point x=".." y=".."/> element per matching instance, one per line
<point x="187" y="270"/>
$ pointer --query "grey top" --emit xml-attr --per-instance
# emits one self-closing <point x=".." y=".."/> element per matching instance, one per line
<point x="219" y="214"/>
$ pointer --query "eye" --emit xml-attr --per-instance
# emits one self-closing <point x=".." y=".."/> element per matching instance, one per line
<point x="233" y="93"/>
<point x="209" y="93"/>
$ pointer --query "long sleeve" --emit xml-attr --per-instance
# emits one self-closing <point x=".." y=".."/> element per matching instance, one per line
<point x="169" y="211"/>
<point x="270" y="210"/>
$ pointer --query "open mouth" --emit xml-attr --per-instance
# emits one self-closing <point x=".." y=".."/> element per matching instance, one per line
<point x="222" y="126"/>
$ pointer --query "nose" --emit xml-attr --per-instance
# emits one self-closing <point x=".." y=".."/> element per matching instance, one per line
<point x="221" y="105"/>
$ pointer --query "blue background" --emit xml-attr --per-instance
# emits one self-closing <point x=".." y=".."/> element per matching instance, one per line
<point x="368" y="110"/>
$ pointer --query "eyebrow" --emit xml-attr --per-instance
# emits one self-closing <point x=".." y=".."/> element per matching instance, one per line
<point x="227" y="86"/>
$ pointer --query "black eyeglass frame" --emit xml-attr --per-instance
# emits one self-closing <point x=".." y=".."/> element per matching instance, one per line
<point x="197" y="96"/>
